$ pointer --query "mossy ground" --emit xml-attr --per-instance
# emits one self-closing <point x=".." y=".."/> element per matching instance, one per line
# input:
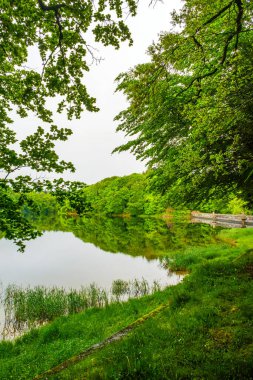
<point x="206" y="333"/>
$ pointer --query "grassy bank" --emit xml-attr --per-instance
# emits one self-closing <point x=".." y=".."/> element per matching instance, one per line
<point x="206" y="333"/>
<point x="26" y="308"/>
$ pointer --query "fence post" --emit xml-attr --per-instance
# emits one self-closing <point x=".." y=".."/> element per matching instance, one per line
<point x="244" y="218"/>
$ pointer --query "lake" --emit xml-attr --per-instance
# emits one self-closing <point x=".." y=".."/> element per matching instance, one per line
<point x="76" y="252"/>
<point x="80" y="251"/>
<point x="61" y="259"/>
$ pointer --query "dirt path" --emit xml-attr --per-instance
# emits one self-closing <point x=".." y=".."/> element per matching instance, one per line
<point x="98" y="346"/>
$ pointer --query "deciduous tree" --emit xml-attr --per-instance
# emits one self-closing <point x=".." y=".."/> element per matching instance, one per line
<point x="190" y="108"/>
<point x="60" y="32"/>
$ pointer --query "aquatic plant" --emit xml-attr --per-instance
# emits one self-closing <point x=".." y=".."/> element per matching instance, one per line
<point x="25" y="308"/>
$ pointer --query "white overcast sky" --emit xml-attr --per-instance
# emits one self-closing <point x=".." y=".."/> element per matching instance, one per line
<point x="94" y="137"/>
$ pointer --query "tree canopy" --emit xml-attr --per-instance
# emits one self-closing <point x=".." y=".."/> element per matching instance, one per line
<point x="190" y="111"/>
<point x="60" y="32"/>
<point x="55" y="38"/>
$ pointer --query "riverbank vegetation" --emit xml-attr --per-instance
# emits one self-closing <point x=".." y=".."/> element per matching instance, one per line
<point x="26" y="308"/>
<point x="24" y="215"/>
<point x="206" y="332"/>
<point x="132" y="195"/>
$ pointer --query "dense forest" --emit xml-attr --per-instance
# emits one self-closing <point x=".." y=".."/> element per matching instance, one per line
<point x="189" y="114"/>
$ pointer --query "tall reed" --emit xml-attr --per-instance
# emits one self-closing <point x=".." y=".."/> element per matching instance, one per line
<point x="28" y="307"/>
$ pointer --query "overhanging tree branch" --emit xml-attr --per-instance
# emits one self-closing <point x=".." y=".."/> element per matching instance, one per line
<point x="227" y="42"/>
<point x="198" y="79"/>
<point x="55" y="8"/>
<point x="47" y="8"/>
<point x="58" y="22"/>
<point x="218" y="14"/>
<point x="225" y="50"/>
<point x="238" y="21"/>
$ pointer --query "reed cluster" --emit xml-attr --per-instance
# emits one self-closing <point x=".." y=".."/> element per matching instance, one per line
<point x="28" y="307"/>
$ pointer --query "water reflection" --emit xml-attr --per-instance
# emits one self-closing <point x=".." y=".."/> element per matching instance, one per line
<point x="133" y="236"/>
<point x="77" y="252"/>
<point x="60" y="259"/>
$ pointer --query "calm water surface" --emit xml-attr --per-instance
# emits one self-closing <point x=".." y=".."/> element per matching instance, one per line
<point x="77" y="252"/>
<point x="60" y="259"/>
<point x="74" y="253"/>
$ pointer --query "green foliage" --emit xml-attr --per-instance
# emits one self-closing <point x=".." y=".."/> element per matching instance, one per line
<point x="63" y="192"/>
<point x="26" y="203"/>
<point x="59" y="32"/>
<point x="119" y="288"/>
<point x="55" y="206"/>
<point x="43" y="205"/>
<point x="237" y="205"/>
<point x="123" y="195"/>
<point x="68" y="194"/>
<point x="190" y="107"/>
<point x="225" y="200"/>
<point x="13" y="223"/>
<point x="49" y="206"/>
<point x="146" y="237"/>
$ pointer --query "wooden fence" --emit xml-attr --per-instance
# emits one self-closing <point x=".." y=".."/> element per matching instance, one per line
<point x="226" y="220"/>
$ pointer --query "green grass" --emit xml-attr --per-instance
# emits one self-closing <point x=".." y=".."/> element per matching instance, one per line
<point x="206" y="333"/>
<point x="25" y="308"/>
<point x="47" y="346"/>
